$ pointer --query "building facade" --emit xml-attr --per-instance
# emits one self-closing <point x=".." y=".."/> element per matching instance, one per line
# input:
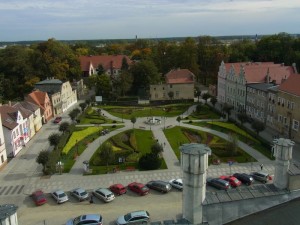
<point x="233" y="77"/>
<point x="42" y="100"/>
<point x="16" y="129"/>
<point x="287" y="120"/>
<point x="61" y="94"/>
<point x="179" y="84"/>
<point x="3" y="154"/>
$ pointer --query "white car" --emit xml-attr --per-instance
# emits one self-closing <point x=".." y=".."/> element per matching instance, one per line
<point x="60" y="196"/>
<point x="80" y="194"/>
<point x="176" y="183"/>
<point x="104" y="194"/>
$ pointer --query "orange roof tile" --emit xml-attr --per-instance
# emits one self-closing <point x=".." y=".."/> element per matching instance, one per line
<point x="37" y="97"/>
<point x="257" y="72"/>
<point x="105" y="60"/>
<point x="291" y="85"/>
<point x="180" y="76"/>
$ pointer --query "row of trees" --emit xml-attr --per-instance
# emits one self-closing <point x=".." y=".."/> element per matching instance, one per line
<point x="22" y="66"/>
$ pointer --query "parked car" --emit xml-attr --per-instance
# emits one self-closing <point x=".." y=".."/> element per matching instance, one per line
<point x="138" y="188"/>
<point x="233" y="181"/>
<point x="80" y="194"/>
<point x="176" y="183"/>
<point x="244" y="178"/>
<point x="57" y="119"/>
<point x="137" y="217"/>
<point x="218" y="183"/>
<point x="118" y="189"/>
<point x="104" y="194"/>
<point x="90" y="219"/>
<point x="60" y="196"/>
<point x="39" y="197"/>
<point x="159" y="185"/>
<point x="261" y="176"/>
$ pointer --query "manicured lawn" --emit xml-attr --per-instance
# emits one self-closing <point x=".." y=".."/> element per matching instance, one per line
<point x="147" y="111"/>
<point x="130" y="145"/>
<point x="78" y="136"/>
<point x="205" y="113"/>
<point x="180" y="135"/>
<point x="227" y="127"/>
<point x="91" y="116"/>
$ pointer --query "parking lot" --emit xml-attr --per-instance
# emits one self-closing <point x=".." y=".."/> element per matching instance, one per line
<point x="160" y="206"/>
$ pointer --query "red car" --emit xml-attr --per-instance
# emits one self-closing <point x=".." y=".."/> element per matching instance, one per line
<point x="233" y="181"/>
<point x="139" y="188"/>
<point x="39" y="197"/>
<point x="118" y="189"/>
<point x="57" y="119"/>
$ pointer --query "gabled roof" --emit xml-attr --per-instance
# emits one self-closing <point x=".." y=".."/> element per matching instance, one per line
<point x="25" y="112"/>
<point x="107" y="61"/>
<point x="291" y="85"/>
<point x="9" y="116"/>
<point x="257" y="72"/>
<point x="179" y="76"/>
<point x="38" y="98"/>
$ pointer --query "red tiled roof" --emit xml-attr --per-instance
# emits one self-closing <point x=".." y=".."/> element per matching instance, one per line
<point x="257" y="72"/>
<point x="105" y="60"/>
<point x="37" y="97"/>
<point x="180" y="76"/>
<point x="9" y="116"/>
<point x="291" y="85"/>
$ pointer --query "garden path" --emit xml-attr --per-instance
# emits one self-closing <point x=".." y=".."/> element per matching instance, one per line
<point x="169" y="155"/>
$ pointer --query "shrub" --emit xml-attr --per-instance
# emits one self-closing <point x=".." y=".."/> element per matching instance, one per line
<point x="149" y="161"/>
<point x="132" y="141"/>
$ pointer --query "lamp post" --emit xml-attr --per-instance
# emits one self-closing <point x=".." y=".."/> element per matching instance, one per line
<point x="60" y="166"/>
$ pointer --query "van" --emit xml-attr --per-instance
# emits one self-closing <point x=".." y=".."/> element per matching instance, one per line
<point x="159" y="185"/>
<point x="261" y="176"/>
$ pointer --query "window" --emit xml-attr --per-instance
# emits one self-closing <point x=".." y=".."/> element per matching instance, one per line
<point x="284" y="120"/>
<point x="171" y="85"/>
<point x="295" y="125"/>
<point x="292" y="105"/>
<point x="279" y="118"/>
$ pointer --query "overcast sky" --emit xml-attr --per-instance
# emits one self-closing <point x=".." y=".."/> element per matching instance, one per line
<point x="115" y="19"/>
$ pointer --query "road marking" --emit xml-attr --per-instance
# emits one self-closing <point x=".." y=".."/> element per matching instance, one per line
<point x="11" y="190"/>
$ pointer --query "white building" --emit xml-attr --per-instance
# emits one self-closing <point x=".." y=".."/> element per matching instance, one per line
<point x="3" y="155"/>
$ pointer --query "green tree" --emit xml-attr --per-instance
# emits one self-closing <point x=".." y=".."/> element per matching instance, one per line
<point x="189" y="56"/>
<point x="144" y="73"/>
<point x="258" y="126"/>
<point x="55" y="58"/>
<point x="133" y="120"/>
<point x="171" y="94"/>
<point x="107" y="154"/>
<point x="199" y="107"/>
<point x="63" y="127"/>
<point x="54" y="139"/>
<point x="227" y="109"/>
<point x="157" y="148"/>
<point x="206" y="96"/>
<point x="125" y="65"/>
<point x="242" y="117"/>
<point x="150" y="161"/>
<point x="43" y="158"/>
<point x="103" y="85"/>
<point x="213" y="100"/>
<point x="74" y="113"/>
<point x="100" y="69"/>
<point x="83" y="105"/>
<point x="123" y="83"/>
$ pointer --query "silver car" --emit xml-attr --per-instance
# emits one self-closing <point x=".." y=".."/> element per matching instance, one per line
<point x="104" y="194"/>
<point x="176" y="183"/>
<point x="260" y="176"/>
<point x="80" y="194"/>
<point x="89" y="219"/>
<point x="137" y="217"/>
<point x="60" y="196"/>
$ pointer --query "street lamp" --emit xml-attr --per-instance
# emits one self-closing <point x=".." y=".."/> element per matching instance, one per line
<point x="77" y="148"/>
<point x="60" y="167"/>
